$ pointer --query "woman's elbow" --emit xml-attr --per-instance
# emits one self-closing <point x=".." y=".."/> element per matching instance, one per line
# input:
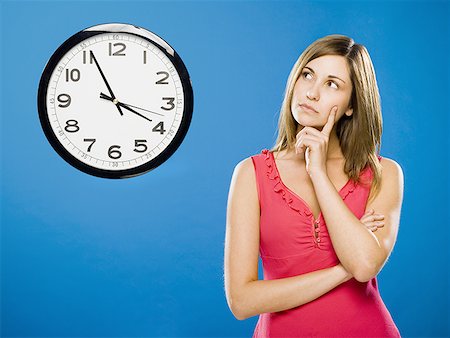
<point x="239" y="315"/>
<point x="365" y="275"/>
<point x="237" y="306"/>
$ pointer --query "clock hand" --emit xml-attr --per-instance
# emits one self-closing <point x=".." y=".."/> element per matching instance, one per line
<point x="114" y="100"/>
<point x="120" y="104"/>
<point x="104" y="96"/>
<point x="132" y="110"/>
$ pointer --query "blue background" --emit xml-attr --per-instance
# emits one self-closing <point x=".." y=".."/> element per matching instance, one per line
<point x="85" y="256"/>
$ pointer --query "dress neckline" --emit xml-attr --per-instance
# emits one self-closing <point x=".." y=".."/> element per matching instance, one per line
<point x="306" y="205"/>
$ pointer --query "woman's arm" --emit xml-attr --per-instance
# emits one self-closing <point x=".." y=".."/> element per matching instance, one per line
<point x="362" y="252"/>
<point x="246" y="295"/>
<point x="275" y="295"/>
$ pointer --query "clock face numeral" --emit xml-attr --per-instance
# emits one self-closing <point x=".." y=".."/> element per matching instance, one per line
<point x="90" y="140"/>
<point x="114" y="153"/>
<point x="165" y="77"/>
<point x="170" y="102"/>
<point x="87" y="55"/>
<point x="118" y="51"/>
<point x="71" y="126"/>
<point x="65" y="100"/>
<point x="159" y="128"/>
<point x="140" y="143"/>
<point x="73" y="75"/>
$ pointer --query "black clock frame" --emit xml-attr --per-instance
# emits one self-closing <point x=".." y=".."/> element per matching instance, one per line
<point x="114" y="174"/>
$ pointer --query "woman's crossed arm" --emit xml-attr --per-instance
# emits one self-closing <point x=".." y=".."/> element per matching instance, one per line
<point x="246" y="295"/>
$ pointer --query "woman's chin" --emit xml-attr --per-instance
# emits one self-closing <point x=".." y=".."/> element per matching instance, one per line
<point x="311" y="122"/>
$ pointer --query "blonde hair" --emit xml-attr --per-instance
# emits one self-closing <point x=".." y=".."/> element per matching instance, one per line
<point x="360" y="134"/>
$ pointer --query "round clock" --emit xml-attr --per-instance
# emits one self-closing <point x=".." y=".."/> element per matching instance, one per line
<point x="115" y="100"/>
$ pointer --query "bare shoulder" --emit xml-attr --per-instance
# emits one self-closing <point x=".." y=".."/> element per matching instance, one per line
<point x="245" y="170"/>
<point x="244" y="186"/>
<point x="245" y="165"/>
<point x="392" y="185"/>
<point x="391" y="169"/>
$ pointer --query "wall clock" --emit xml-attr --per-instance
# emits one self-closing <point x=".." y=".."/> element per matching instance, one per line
<point x="115" y="100"/>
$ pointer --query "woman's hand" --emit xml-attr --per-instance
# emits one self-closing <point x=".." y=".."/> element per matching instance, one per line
<point x="314" y="144"/>
<point x="372" y="221"/>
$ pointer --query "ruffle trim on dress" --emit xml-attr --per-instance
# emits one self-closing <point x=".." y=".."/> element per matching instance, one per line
<point x="351" y="186"/>
<point x="293" y="201"/>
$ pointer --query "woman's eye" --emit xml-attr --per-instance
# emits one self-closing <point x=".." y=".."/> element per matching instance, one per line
<point x="334" y="84"/>
<point x="304" y="74"/>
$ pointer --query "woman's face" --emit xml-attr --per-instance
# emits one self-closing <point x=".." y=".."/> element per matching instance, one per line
<point x="323" y="83"/>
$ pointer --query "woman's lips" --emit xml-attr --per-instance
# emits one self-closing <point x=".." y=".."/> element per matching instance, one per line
<point x="306" y="108"/>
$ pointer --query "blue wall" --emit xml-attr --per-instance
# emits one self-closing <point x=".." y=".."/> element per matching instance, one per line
<point x="85" y="256"/>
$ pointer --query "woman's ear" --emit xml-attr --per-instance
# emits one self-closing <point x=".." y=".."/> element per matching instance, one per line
<point x="349" y="112"/>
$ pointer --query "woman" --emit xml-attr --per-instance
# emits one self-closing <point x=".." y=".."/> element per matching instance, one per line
<point x="308" y="205"/>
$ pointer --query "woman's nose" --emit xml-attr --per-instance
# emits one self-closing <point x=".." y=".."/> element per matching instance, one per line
<point x="312" y="93"/>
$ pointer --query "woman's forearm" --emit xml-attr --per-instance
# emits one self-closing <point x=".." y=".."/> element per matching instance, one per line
<point x="275" y="295"/>
<point x="353" y="243"/>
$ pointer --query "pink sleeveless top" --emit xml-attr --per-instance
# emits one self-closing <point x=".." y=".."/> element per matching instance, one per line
<point x="293" y="243"/>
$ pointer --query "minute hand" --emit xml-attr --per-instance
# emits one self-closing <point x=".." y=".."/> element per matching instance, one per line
<point x="114" y="100"/>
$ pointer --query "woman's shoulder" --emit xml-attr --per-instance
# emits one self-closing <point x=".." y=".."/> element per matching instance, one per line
<point x="390" y="167"/>
<point x="244" y="174"/>
<point x="388" y="162"/>
<point x="247" y="165"/>
<point x="391" y="173"/>
<point x="247" y="161"/>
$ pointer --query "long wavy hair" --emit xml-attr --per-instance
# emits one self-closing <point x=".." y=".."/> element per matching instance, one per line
<point x="359" y="134"/>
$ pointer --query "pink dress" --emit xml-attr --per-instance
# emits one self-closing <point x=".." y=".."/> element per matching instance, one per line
<point x="293" y="243"/>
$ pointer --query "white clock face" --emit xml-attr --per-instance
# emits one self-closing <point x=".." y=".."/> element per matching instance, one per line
<point x="115" y="101"/>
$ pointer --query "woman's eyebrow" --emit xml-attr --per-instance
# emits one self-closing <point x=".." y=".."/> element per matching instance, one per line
<point x="329" y="76"/>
